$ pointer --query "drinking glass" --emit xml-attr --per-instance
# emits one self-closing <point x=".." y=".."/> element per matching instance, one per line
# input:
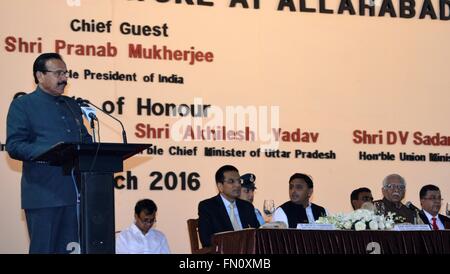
<point x="269" y="207"/>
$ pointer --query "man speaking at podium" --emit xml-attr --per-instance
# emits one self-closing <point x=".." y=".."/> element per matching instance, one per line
<point x="36" y="122"/>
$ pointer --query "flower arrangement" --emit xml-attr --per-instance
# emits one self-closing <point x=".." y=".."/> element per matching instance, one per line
<point x="360" y="219"/>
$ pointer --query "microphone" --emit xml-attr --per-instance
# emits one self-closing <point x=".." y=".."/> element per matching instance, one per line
<point x="411" y="206"/>
<point x="81" y="102"/>
<point x="62" y="100"/>
<point x="417" y="219"/>
<point x="88" y="112"/>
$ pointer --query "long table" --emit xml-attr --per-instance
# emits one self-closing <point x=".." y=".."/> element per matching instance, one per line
<point x="294" y="241"/>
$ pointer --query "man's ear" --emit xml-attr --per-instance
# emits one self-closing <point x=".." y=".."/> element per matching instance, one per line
<point x="310" y="192"/>
<point x="39" y="76"/>
<point x="421" y="203"/>
<point x="219" y="186"/>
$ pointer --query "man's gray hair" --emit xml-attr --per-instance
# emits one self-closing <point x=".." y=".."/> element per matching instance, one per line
<point x="393" y="176"/>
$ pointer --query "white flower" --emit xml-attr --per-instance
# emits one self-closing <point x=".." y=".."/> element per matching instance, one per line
<point x="362" y="215"/>
<point x="360" y="226"/>
<point x="358" y="219"/>
<point x="373" y="225"/>
<point x="389" y="225"/>
<point x="381" y="225"/>
<point x="348" y="225"/>
<point x="322" y="220"/>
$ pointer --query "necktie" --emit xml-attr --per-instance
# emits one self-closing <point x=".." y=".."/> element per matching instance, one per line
<point x="233" y="218"/>
<point x="435" y="226"/>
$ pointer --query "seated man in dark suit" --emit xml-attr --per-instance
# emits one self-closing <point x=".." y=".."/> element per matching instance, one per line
<point x="299" y="209"/>
<point x="431" y="200"/>
<point x="225" y="212"/>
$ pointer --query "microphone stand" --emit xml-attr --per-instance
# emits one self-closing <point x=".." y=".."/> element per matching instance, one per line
<point x="93" y="130"/>
<point x="124" y="134"/>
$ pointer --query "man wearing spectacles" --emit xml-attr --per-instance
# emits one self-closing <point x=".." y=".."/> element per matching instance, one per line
<point x="36" y="122"/>
<point x="141" y="237"/>
<point x="394" y="189"/>
<point x="225" y="212"/>
<point x="360" y="196"/>
<point x="431" y="202"/>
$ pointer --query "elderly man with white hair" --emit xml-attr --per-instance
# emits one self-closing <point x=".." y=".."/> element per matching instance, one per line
<point x="394" y="188"/>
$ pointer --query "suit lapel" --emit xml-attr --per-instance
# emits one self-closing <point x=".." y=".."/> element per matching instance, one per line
<point x="314" y="211"/>
<point x="223" y="214"/>
<point x="242" y="215"/>
<point x="445" y="221"/>
<point x="424" y="217"/>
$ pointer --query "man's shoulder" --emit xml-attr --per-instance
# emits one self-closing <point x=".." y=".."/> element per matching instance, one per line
<point x="444" y="218"/>
<point x="317" y="206"/>
<point x="22" y="99"/>
<point x="286" y="204"/>
<point x="126" y="230"/>
<point x="208" y="202"/>
<point x="244" y="204"/>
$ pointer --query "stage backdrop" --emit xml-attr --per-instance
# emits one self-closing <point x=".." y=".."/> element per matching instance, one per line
<point x="345" y="92"/>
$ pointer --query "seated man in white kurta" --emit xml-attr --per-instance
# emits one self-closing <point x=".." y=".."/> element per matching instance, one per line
<point x="140" y="237"/>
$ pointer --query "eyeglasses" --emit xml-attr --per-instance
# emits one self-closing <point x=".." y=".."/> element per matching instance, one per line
<point x="148" y="221"/>
<point x="399" y="187"/>
<point x="58" y="73"/>
<point x="232" y="181"/>
<point x="367" y="198"/>
<point x="439" y="199"/>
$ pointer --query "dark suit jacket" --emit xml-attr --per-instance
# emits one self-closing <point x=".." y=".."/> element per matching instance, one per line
<point x="213" y="217"/>
<point x="296" y="213"/>
<point x="445" y="220"/>
<point x="36" y="122"/>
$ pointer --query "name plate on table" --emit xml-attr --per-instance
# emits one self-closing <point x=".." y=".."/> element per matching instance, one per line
<point x="411" y="227"/>
<point x="316" y="226"/>
<point x="274" y="225"/>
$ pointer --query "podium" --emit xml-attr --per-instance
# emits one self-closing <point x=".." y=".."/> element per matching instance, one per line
<point x="93" y="167"/>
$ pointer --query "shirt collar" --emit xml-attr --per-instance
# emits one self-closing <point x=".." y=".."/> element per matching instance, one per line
<point x="226" y="202"/>
<point x="45" y="95"/>
<point x="309" y="204"/>
<point x="429" y="216"/>
<point x="136" y="230"/>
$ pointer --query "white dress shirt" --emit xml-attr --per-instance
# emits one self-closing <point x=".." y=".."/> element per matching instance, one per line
<point x="133" y="241"/>
<point x="236" y="212"/>
<point x="280" y="216"/>
<point x="438" y="221"/>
